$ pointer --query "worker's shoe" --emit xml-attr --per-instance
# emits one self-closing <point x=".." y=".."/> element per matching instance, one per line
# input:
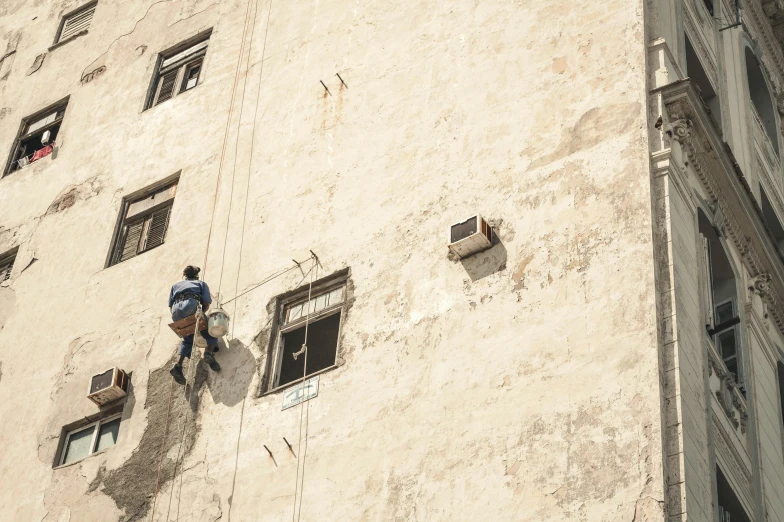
<point x="209" y="358"/>
<point x="176" y="373"/>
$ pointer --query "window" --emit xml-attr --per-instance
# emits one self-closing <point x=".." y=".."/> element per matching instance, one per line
<point x="772" y="221"/>
<point x="92" y="438"/>
<point x="730" y="507"/>
<point x="709" y="6"/>
<point x="323" y="313"/>
<point x="761" y="99"/>
<point x="144" y="222"/>
<point x="720" y="298"/>
<point x="697" y="74"/>
<point x="178" y="70"/>
<point x="7" y="264"/>
<point x="76" y="23"/>
<point x="780" y="373"/>
<point x="37" y="137"/>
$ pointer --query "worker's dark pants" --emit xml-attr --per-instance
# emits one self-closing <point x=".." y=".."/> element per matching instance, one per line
<point x="181" y="310"/>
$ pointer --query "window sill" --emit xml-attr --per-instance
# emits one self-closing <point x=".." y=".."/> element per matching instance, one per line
<point x="61" y="466"/>
<point x="298" y="381"/>
<point x="69" y="39"/>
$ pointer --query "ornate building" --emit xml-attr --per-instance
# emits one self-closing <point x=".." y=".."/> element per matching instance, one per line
<point x="534" y="252"/>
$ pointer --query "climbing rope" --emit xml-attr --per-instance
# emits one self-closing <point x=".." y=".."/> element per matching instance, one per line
<point x="297" y="487"/>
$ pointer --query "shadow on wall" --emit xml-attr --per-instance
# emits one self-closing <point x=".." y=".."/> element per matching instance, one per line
<point x="231" y="384"/>
<point x="486" y="263"/>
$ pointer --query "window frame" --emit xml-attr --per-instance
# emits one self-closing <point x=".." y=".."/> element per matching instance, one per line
<point x="180" y="66"/>
<point x="122" y="222"/>
<point x="96" y="426"/>
<point x="21" y="135"/>
<point x="271" y="383"/>
<point x="64" y="18"/>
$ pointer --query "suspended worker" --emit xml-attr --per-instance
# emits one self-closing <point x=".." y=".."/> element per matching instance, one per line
<point x="184" y="300"/>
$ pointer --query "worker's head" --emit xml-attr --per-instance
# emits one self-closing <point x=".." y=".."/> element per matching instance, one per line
<point x="191" y="272"/>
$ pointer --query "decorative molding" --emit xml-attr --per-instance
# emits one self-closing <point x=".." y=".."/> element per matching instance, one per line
<point x="87" y="78"/>
<point x="761" y="284"/>
<point x="759" y="25"/>
<point x="733" y="458"/>
<point x="728" y="394"/>
<point x="682" y="103"/>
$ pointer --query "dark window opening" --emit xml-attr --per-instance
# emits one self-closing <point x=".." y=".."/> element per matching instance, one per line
<point x="322" y="349"/>
<point x="323" y="313"/>
<point x="696" y="72"/>
<point x="37" y="137"/>
<point x="7" y="264"/>
<point x="772" y="221"/>
<point x="730" y="508"/>
<point x="780" y="373"/>
<point x="723" y="321"/>
<point x="761" y="99"/>
<point x="709" y="5"/>
<point x="145" y="221"/>
<point x="178" y="71"/>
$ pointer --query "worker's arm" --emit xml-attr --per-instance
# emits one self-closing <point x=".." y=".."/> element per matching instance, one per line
<point x="206" y="298"/>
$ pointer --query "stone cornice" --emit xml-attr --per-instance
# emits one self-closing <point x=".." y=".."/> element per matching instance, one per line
<point x="688" y="123"/>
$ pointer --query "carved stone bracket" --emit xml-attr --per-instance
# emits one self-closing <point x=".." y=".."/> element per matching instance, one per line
<point x="728" y="393"/>
<point x="761" y="285"/>
<point x="678" y="130"/>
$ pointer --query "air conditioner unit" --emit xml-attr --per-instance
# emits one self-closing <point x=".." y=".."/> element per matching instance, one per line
<point x="108" y="386"/>
<point x="471" y="236"/>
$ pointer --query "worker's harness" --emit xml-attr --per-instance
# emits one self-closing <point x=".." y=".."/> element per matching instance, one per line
<point x="185" y="297"/>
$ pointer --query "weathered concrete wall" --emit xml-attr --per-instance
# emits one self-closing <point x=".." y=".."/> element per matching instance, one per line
<point x="521" y="384"/>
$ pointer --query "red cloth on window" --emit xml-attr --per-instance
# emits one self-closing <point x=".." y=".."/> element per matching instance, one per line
<point x="41" y="153"/>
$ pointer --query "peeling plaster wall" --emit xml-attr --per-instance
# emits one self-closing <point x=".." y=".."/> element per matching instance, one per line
<point x="520" y="384"/>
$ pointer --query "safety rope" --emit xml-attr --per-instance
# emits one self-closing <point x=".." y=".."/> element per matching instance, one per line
<point x="206" y="254"/>
<point x="297" y="487"/>
<point x="163" y="447"/>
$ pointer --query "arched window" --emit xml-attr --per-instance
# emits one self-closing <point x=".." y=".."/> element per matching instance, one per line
<point x="761" y="98"/>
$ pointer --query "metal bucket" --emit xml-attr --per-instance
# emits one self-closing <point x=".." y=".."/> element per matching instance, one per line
<point x="218" y="323"/>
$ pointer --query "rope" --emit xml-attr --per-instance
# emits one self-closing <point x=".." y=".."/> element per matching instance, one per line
<point x="242" y="240"/>
<point x="163" y="446"/>
<point x="237" y="145"/>
<point x="191" y="368"/>
<point x="226" y="137"/>
<point x="304" y="350"/>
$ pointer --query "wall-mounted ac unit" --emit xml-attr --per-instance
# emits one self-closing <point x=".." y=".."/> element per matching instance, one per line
<point x="471" y="236"/>
<point x="108" y="386"/>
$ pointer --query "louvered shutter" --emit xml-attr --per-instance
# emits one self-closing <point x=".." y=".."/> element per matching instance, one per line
<point x="77" y="23"/>
<point x="129" y="247"/>
<point x="707" y="285"/>
<point x="5" y="269"/>
<point x="156" y="232"/>
<point x="167" y="83"/>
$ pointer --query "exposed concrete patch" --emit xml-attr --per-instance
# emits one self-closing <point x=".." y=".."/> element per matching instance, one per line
<point x="70" y="195"/>
<point x="132" y="485"/>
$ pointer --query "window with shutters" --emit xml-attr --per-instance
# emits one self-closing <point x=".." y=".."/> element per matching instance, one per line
<point x="720" y="298"/>
<point x="75" y="23"/>
<point x="144" y="222"/>
<point x="7" y="264"/>
<point x="314" y="320"/>
<point x="178" y="70"/>
<point x="37" y="137"/>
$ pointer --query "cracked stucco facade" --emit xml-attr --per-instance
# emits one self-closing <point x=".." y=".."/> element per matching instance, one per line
<point x="523" y="383"/>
